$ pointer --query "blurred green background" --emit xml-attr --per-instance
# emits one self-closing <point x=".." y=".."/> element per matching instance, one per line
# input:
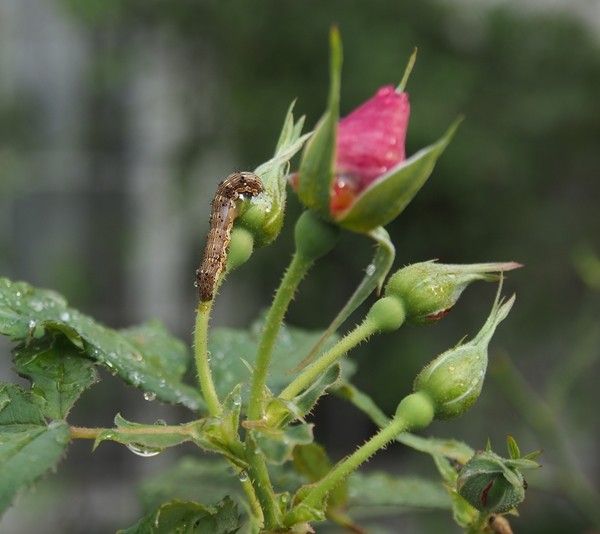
<point x="118" y="118"/>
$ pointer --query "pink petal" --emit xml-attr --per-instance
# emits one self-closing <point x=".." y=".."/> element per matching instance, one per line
<point x="370" y="142"/>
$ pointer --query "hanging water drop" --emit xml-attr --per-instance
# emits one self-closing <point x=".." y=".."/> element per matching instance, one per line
<point x="149" y="395"/>
<point x="143" y="451"/>
<point x="243" y="476"/>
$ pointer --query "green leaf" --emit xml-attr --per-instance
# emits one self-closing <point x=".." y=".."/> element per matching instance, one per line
<point x="205" y="479"/>
<point x="278" y="445"/>
<point x="312" y="462"/>
<point x="387" y="196"/>
<point x="380" y="493"/>
<point x="375" y="276"/>
<point x="28" y="447"/>
<point x="513" y="449"/>
<point x="191" y="479"/>
<point x="58" y="373"/>
<point x="233" y="351"/>
<point x="316" y="166"/>
<point x="180" y="517"/>
<point x="146" y="357"/>
<point x="158" y="347"/>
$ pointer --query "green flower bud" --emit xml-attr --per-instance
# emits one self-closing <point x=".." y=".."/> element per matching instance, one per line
<point x="387" y="314"/>
<point x="490" y="483"/>
<point x="314" y="237"/>
<point x="262" y="215"/>
<point x="429" y="289"/>
<point x="455" y="378"/>
<point x="240" y="249"/>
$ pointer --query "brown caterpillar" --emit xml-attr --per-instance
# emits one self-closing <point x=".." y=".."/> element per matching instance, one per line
<point x="222" y="216"/>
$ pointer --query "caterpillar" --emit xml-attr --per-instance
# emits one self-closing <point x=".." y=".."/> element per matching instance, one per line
<point x="222" y="216"/>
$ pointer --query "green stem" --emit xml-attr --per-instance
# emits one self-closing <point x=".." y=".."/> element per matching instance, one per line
<point x="252" y="500"/>
<point x="285" y="293"/>
<point x="80" y="432"/>
<point x="348" y="465"/>
<point x="307" y="377"/>
<point x="259" y="477"/>
<point x="202" y="361"/>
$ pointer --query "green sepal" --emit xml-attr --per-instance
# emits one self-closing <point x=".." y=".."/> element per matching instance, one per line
<point x="455" y="378"/>
<point x="147" y="440"/>
<point x="263" y="214"/>
<point x="375" y="275"/>
<point x="386" y="197"/>
<point x="490" y="483"/>
<point x="277" y="445"/>
<point x="316" y="166"/>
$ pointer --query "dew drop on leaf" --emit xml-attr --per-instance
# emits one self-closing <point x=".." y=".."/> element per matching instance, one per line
<point x="149" y="395"/>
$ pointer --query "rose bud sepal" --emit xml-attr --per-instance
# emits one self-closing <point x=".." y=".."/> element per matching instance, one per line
<point x="493" y="484"/>
<point x="455" y="378"/>
<point x="263" y="214"/>
<point x="430" y="289"/>
<point x="387" y="196"/>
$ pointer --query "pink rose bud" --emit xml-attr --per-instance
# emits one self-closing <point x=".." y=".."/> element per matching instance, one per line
<point x="370" y="142"/>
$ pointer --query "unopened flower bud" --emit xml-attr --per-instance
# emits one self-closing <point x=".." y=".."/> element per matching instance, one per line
<point x="430" y="289"/>
<point x="490" y="484"/>
<point x="455" y="378"/>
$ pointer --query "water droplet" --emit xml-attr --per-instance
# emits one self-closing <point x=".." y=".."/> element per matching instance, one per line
<point x="370" y="270"/>
<point x="143" y="451"/>
<point x="18" y="294"/>
<point x="32" y="324"/>
<point x="149" y="395"/>
<point x="243" y="476"/>
<point x="135" y="379"/>
<point x="65" y="316"/>
<point x="137" y="357"/>
<point x="160" y="422"/>
<point x="36" y="305"/>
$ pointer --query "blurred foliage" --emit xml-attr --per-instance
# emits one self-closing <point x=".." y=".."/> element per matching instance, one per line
<point x="519" y="182"/>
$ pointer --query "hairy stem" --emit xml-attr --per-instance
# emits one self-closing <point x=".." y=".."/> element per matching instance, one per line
<point x="202" y="360"/>
<point x="252" y="500"/>
<point x="80" y="432"/>
<point x="259" y="478"/>
<point x="296" y="270"/>
<point x="307" y="377"/>
<point x="348" y="465"/>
